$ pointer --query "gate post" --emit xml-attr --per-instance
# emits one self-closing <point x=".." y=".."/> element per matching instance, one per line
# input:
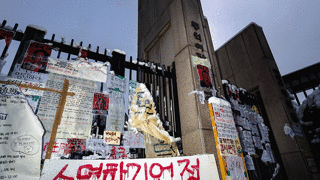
<point x="32" y="32"/>
<point x="118" y="63"/>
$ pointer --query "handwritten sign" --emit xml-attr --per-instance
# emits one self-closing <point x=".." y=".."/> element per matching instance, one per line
<point x="81" y="69"/>
<point x="77" y="115"/>
<point x="20" y="136"/>
<point x="178" y="168"/>
<point x="112" y="137"/>
<point x="58" y="148"/>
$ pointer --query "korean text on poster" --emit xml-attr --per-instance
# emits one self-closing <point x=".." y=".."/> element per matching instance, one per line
<point x="20" y="136"/>
<point x="82" y="69"/>
<point x="77" y="115"/>
<point x="112" y="137"/>
<point x="36" y="57"/>
<point x="27" y="75"/>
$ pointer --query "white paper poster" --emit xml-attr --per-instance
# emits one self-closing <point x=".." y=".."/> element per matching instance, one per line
<point x="116" y="114"/>
<point x="236" y="168"/>
<point x="27" y="91"/>
<point x="116" y="82"/>
<point x="177" y="168"/>
<point x="20" y="136"/>
<point x="81" y="69"/>
<point x="77" y="115"/>
<point x="133" y="140"/>
<point x="23" y="74"/>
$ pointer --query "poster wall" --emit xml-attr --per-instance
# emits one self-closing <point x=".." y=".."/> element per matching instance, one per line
<point x="232" y="163"/>
<point x="77" y="115"/>
<point x="178" y="168"/>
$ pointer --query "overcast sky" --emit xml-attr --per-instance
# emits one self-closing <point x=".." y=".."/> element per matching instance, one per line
<point x="291" y="27"/>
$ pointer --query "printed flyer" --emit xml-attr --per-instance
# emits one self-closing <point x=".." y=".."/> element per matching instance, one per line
<point x="77" y="115"/>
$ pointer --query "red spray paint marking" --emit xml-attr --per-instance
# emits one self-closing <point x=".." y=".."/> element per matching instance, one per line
<point x="111" y="169"/>
<point x="61" y="176"/>
<point x="123" y="171"/>
<point x="169" y="168"/>
<point x="145" y="171"/>
<point x="91" y="171"/>
<point x="190" y="171"/>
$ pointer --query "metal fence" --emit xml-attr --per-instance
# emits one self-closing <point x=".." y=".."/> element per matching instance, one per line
<point x="159" y="79"/>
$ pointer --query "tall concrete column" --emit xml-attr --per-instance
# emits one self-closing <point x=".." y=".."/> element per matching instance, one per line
<point x="167" y="33"/>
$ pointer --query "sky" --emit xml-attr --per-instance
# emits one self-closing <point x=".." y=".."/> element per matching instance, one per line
<point x="291" y="27"/>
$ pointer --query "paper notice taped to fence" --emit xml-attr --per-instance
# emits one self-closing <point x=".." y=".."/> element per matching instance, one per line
<point x="81" y="69"/>
<point x="20" y="136"/>
<point x="77" y="115"/>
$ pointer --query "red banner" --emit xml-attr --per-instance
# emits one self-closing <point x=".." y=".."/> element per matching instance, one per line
<point x="100" y="103"/>
<point x="7" y="35"/>
<point x="36" y="57"/>
<point x="204" y="76"/>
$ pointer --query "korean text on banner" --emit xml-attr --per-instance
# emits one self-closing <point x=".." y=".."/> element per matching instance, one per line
<point x="81" y="69"/>
<point x="188" y="167"/>
<point x="77" y="115"/>
<point x="20" y="136"/>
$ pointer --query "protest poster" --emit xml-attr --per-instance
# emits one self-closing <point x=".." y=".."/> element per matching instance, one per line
<point x="36" y="57"/>
<point x="77" y="115"/>
<point x="204" y="77"/>
<point x="81" y="69"/>
<point x="20" y="136"/>
<point x="200" y="61"/>
<point x="74" y="145"/>
<point x="100" y="103"/>
<point x="112" y="137"/>
<point x="23" y="74"/>
<point x="27" y="91"/>
<point x="116" y="113"/>
<point x="232" y="163"/>
<point x="133" y="140"/>
<point x="117" y="83"/>
<point x="235" y="167"/>
<point x="178" y="168"/>
<point x="107" y="151"/>
<point x="58" y="148"/>
<point x="7" y="35"/>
